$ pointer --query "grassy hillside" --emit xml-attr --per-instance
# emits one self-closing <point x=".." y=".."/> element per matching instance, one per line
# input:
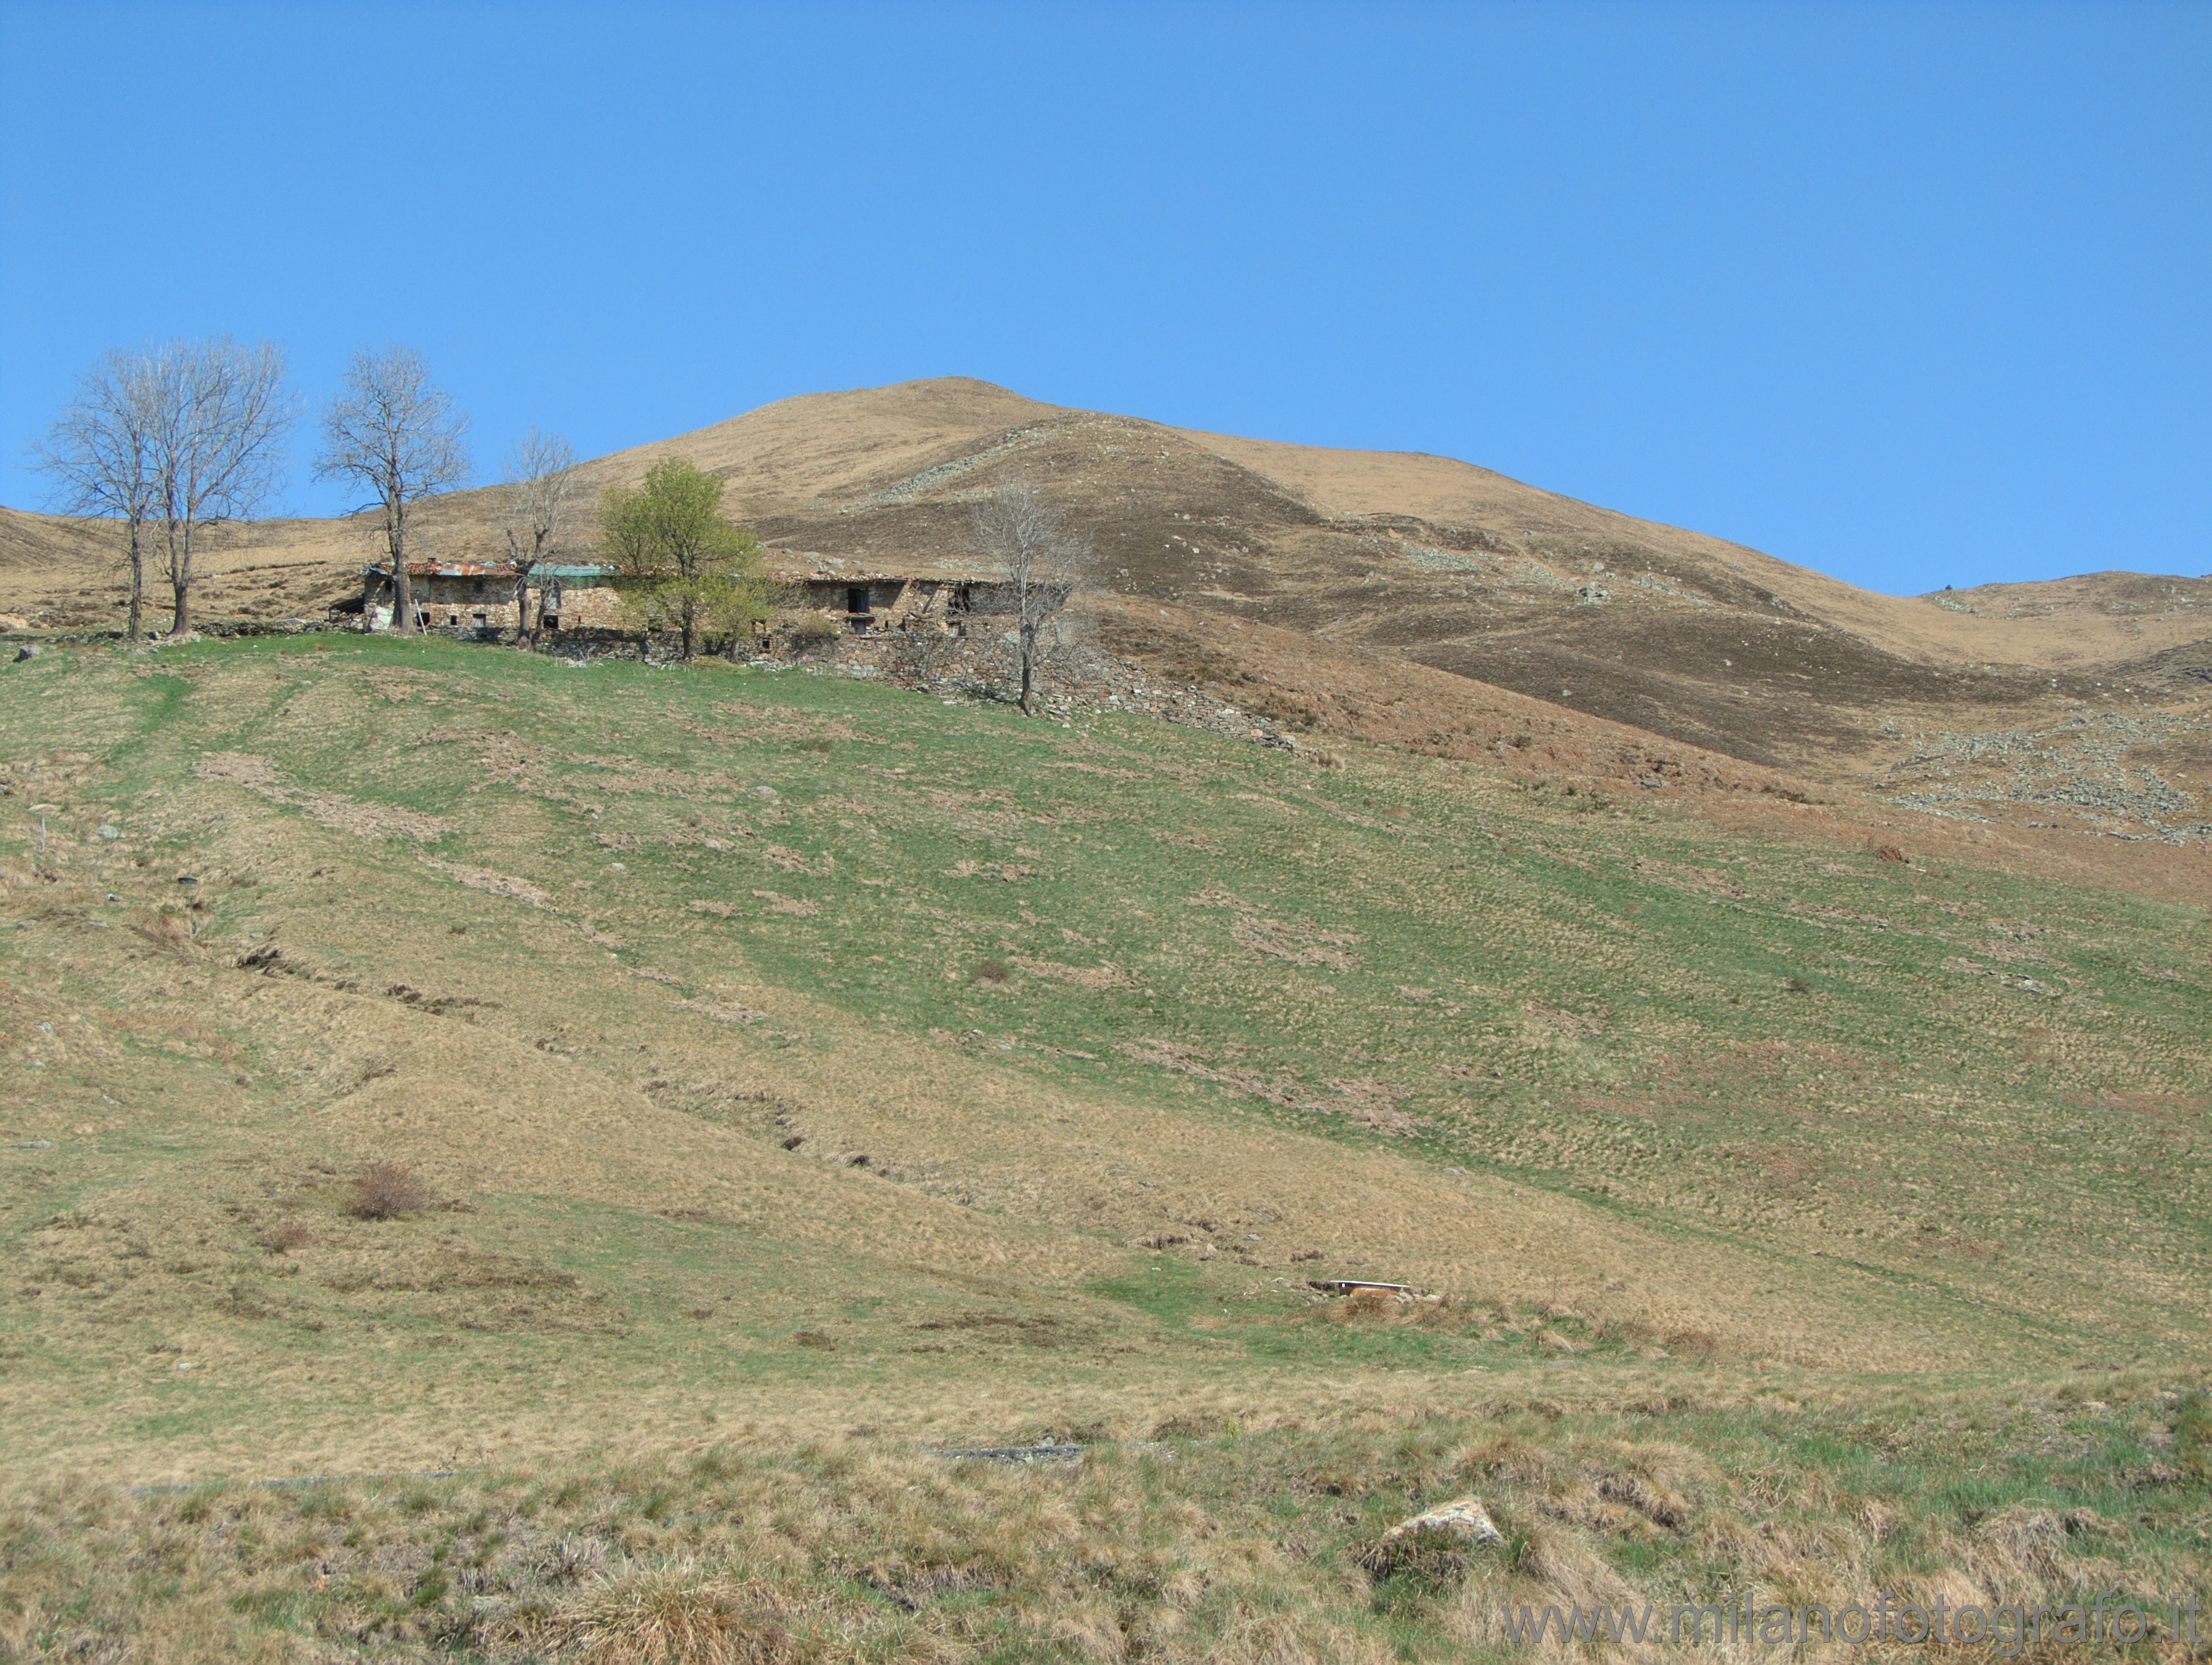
<point x="1263" y="1550"/>
<point x="787" y="1057"/>
<point x="2079" y="704"/>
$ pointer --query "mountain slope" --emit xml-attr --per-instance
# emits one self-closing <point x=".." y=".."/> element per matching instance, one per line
<point x="1422" y="558"/>
<point x="811" y="1051"/>
<point x="1428" y="558"/>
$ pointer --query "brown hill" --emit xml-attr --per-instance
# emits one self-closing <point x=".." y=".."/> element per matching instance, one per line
<point x="2083" y="698"/>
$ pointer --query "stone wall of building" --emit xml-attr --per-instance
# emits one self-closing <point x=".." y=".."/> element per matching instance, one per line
<point x="587" y="606"/>
<point x="482" y="603"/>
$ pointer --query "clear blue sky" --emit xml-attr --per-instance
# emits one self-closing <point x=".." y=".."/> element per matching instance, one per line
<point x="1914" y="294"/>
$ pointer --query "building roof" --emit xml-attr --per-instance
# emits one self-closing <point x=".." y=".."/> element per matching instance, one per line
<point x="448" y="569"/>
<point x="817" y="575"/>
<point x="818" y="567"/>
<point x="498" y="569"/>
<point x="888" y="578"/>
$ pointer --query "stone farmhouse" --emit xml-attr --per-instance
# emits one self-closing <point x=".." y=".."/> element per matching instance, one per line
<point x="479" y="599"/>
<point x="449" y="595"/>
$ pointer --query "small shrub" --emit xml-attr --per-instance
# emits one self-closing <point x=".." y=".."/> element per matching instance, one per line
<point x="285" y="1236"/>
<point x="384" y="1190"/>
<point x="992" y="971"/>
<point x="1698" y="1344"/>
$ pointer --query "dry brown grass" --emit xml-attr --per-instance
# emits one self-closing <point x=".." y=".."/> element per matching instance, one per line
<point x="667" y="1617"/>
<point x="288" y="1235"/>
<point x="166" y="927"/>
<point x="654" y="1124"/>
<point x="1701" y="1344"/>
<point x="647" y="1120"/>
<point x="1260" y="1548"/>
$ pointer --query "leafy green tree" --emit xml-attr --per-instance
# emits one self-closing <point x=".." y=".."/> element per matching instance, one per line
<point x="699" y="575"/>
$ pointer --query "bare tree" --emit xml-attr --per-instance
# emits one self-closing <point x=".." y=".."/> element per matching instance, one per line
<point x="544" y="502"/>
<point x="396" y="434"/>
<point x="221" y="414"/>
<point x="99" y="453"/>
<point x="1044" y="560"/>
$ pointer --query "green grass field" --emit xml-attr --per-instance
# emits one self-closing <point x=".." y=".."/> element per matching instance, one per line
<point x="787" y="1056"/>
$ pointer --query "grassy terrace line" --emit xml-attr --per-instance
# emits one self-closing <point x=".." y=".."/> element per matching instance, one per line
<point x="795" y="1074"/>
